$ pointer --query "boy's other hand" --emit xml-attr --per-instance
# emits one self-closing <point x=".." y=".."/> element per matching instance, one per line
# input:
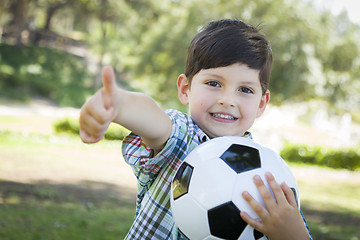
<point x="281" y="219"/>
<point x="99" y="111"/>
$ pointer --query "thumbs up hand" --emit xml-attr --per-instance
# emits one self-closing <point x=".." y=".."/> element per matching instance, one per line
<point x="135" y="111"/>
<point x="100" y="110"/>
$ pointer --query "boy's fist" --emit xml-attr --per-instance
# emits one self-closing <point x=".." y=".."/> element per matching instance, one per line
<point x="99" y="111"/>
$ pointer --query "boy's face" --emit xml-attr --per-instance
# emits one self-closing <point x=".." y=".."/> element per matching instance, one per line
<point x="224" y="101"/>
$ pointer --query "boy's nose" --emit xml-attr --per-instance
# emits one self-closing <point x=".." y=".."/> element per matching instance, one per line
<point x="226" y="99"/>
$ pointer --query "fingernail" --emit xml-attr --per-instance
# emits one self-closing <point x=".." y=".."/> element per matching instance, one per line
<point x="245" y="193"/>
<point x="257" y="178"/>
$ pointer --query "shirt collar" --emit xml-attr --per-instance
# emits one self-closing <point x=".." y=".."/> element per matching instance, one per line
<point x="203" y="137"/>
<point x="248" y="135"/>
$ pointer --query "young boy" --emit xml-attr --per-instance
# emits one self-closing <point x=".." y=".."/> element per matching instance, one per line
<point x="226" y="87"/>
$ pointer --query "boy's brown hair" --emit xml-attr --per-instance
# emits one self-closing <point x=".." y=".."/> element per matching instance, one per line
<point x="225" y="42"/>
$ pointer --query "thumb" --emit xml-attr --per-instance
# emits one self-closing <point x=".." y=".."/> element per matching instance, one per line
<point x="109" y="86"/>
<point x="108" y="78"/>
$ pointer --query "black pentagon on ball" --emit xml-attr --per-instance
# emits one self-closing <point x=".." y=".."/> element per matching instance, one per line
<point x="180" y="185"/>
<point x="242" y="158"/>
<point x="182" y="235"/>
<point x="225" y="221"/>
<point x="257" y="234"/>
<point x="295" y="195"/>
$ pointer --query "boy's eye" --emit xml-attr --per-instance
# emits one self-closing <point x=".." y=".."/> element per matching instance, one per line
<point x="246" y="90"/>
<point x="213" y="84"/>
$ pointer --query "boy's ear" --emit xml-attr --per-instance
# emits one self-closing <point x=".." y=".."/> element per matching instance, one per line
<point x="183" y="89"/>
<point x="263" y="103"/>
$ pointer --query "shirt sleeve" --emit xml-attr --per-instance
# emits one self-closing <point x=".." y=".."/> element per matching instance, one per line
<point x="140" y="157"/>
<point x="305" y="223"/>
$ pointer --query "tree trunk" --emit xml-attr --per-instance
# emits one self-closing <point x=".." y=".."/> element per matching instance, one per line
<point x="19" y="10"/>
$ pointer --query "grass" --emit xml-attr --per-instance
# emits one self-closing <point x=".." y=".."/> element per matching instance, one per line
<point x="330" y="201"/>
<point x="45" y="212"/>
<point x="55" y="187"/>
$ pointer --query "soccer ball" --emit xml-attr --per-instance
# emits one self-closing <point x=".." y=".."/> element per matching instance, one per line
<point x="206" y="191"/>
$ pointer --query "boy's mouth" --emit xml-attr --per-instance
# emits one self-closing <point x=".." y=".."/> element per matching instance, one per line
<point x="223" y="116"/>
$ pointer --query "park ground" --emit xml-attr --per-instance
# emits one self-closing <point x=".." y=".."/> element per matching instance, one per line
<point x="55" y="187"/>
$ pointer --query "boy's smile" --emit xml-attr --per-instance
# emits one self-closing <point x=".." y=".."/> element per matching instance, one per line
<point x="224" y="101"/>
<point x="223" y="117"/>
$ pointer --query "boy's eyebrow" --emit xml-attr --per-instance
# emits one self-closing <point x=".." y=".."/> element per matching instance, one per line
<point x="213" y="75"/>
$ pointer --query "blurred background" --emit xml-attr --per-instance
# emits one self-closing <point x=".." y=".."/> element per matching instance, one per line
<point x="51" y="54"/>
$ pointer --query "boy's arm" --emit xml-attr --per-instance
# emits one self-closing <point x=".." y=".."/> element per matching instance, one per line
<point x="135" y="111"/>
<point x="282" y="219"/>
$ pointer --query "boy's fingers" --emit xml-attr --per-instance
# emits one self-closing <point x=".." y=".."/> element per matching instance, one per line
<point x="257" y="224"/>
<point x="109" y="87"/>
<point x="93" y="127"/>
<point x="108" y="78"/>
<point x="265" y="193"/>
<point x="94" y="119"/>
<point x="255" y="205"/>
<point x="94" y="109"/>
<point x="289" y="194"/>
<point x="86" y="138"/>
<point x="277" y="191"/>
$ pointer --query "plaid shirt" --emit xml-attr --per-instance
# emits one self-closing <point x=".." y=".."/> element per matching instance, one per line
<point x="153" y="218"/>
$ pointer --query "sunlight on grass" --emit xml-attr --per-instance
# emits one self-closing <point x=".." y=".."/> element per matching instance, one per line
<point x="338" y="195"/>
<point x="11" y="119"/>
<point x="13" y="200"/>
<point x="330" y="201"/>
<point x="8" y="138"/>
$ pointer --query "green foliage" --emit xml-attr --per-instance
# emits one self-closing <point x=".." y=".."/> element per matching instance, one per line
<point x="316" y="54"/>
<point x="26" y="72"/>
<point x="323" y="156"/>
<point x="68" y="125"/>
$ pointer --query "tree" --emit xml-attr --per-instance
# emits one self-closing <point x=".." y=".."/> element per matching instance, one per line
<point x="315" y="54"/>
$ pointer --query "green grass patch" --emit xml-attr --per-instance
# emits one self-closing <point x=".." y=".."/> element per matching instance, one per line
<point x="49" y="211"/>
<point x="44" y="208"/>
<point x="340" y="196"/>
<point x="330" y="201"/>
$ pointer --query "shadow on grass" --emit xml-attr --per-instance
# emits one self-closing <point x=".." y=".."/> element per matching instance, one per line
<point x="84" y="191"/>
<point x="44" y="210"/>
<point x="331" y="224"/>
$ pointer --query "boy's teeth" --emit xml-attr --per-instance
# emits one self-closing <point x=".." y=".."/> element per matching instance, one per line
<point x="219" y="115"/>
